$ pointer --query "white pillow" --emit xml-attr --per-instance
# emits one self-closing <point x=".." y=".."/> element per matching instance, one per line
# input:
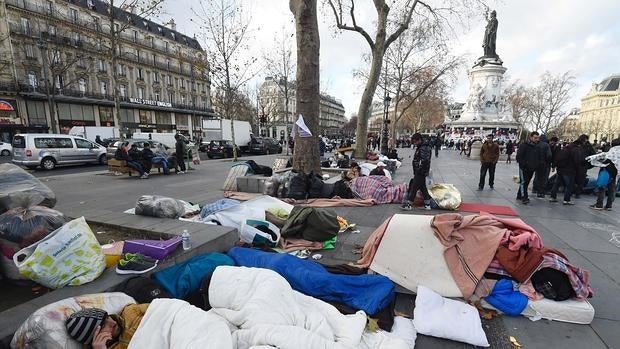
<point x="446" y="318"/>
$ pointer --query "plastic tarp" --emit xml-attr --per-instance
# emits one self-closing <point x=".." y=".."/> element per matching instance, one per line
<point x="14" y="179"/>
<point x="235" y="216"/>
<point x="163" y="207"/>
<point x="370" y="293"/>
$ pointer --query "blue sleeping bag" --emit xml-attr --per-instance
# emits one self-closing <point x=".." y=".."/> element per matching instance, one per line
<point x="181" y="279"/>
<point x="370" y="293"/>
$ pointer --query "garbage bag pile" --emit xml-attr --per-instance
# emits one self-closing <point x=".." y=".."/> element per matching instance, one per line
<point x="163" y="207"/>
<point x="14" y="179"/>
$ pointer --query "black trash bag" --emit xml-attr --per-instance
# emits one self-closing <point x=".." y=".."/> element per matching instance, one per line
<point x="259" y="169"/>
<point x="553" y="284"/>
<point x="14" y="179"/>
<point x="159" y="206"/>
<point x="315" y="186"/>
<point x="298" y="189"/>
<point x="142" y="289"/>
<point x="342" y="190"/>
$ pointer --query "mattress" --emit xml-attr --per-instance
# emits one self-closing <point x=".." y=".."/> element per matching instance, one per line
<point x="573" y="311"/>
<point x="410" y="255"/>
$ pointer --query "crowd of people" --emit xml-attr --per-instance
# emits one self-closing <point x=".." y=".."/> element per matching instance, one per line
<point x="142" y="160"/>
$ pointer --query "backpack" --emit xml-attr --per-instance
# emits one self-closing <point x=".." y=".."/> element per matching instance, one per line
<point x="342" y="190"/>
<point x="142" y="289"/>
<point x="312" y="224"/>
<point x="315" y="186"/>
<point x="200" y="297"/>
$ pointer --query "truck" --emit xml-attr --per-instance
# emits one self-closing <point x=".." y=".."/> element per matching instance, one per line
<point x="91" y="132"/>
<point x="164" y="138"/>
<point x="216" y="130"/>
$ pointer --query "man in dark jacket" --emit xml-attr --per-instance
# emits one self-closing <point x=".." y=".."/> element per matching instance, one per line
<point x="555" y="149"/>
<point x="180" y="152"/>
<point x="132" y="158"/>
<point x="438" y="142"/>
<point x="528" y="158"/>
<point x="568" y="162"/>
<point x="584" y="166"/>
<point x="542" y="172"/>
<point x="421" y="169"/>
<point x="489" y="155"/>
<point x="147" y="156"/>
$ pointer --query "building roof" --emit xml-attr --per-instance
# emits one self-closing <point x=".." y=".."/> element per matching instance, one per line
<point x="610" y="84"/>
<point x="100" y="6"/>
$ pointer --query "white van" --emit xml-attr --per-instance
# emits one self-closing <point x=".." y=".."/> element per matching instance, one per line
<point x="49" y="150"/>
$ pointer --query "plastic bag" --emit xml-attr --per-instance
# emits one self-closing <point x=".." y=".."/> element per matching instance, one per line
<point x="159" y="206"/>
<point x="70" y="255"/>
<point x="299" y="187"/>
<point x="260" y="233"/>
<point x="315" y="186"/>
<point x="603" y="178"/>
<point x="14" y="179"/>
<point x="446" y="196"/>
<point x="272" y="185"/>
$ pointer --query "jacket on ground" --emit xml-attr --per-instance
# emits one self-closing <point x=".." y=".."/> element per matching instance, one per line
<point x="129" y="319"/>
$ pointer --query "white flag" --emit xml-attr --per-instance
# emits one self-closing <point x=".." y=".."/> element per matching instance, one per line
<point x="300" y="126"/>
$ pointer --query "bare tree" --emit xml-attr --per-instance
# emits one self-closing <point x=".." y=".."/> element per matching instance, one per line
<point x="518" y="97"/>
<point x="280" y="65"/>
<point x="547" y="101"/>
<point x="306" y="152"/>
<point x="349" y="128"/>
<point x="226" y="32"/>
<point x="345" y="16"/>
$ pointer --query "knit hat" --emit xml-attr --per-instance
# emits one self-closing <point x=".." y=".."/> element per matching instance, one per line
<point x="81" y="325"/>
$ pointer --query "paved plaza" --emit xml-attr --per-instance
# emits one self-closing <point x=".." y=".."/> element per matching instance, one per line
<point x="581" y="233"/>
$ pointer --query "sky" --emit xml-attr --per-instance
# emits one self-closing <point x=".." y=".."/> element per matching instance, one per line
<point x="582" y="37"/>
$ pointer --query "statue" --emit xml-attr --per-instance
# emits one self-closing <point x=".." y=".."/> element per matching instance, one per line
<point x="490" y="35"/>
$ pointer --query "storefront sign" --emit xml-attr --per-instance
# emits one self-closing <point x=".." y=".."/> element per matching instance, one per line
<point x="147" y="126"/>
<point x="149" y="102"/>
<point x="8" y="112"/>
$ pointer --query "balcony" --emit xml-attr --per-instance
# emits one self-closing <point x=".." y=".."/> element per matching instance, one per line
<point x="66" y="92"/>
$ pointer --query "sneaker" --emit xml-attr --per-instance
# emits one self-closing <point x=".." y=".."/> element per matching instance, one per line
<point x="567" y="203"/>
<point x="594" y="207"/>
<point x="490" y="186"/>
<point x="144" y="176"/>
<point x="525" y="201"/>
<point x="427" y="207"/>
<point x="553" y="200"/>
<point x="181" y="172"/>
<point x="607" y="208"/>
<point x="540" y="195"/>
<point x="406" y="206"/>
<point x="134" y="266"/>
<point x="138" y="257"/>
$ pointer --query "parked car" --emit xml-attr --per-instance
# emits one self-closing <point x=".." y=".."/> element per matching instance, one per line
<point x="223" y="149"/>
<point x="6" y="149"/>
<point x="265" y="146"/>
<point x="139" y="142"/>
<point x="49" y="150"/>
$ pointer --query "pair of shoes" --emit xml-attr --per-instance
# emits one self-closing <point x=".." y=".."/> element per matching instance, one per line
<point x="540" y="195"/>
<point x="144" y="176"/>
<point x="406" y="206"/>
<point x="568" y="203"/>
<point x="135" y="263"/>
<point x="181" y="172"/>
<point x="553" y="200"/>
<point x="594" y="207"/>
<point x="427" y="207"/>
<point x="525" y="201"/>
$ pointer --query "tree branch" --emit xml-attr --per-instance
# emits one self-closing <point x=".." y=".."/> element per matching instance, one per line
<point x="340" y="23"/>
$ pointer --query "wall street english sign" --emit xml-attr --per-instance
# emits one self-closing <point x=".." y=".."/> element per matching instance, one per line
<point x="149" y="102"/>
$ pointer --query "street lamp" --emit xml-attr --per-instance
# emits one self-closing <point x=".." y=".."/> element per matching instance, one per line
<point x="386" y="122"/>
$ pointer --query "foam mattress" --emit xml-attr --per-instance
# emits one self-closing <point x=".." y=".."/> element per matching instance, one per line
<point x="573" y="311"/>
<point x="410" y="255"/>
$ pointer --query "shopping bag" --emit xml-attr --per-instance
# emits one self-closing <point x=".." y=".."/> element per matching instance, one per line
<point x="260" y="233"/>
<point x="70" y="255"/>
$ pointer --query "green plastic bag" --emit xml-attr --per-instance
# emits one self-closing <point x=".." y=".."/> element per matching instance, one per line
<point x="71" y="255"/>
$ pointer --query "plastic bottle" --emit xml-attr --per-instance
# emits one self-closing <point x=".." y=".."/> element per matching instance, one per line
<point x="185" y="238"/>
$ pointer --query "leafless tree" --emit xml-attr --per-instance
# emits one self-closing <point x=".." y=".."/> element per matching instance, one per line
<point x="226" y="30"/>
<point x="518" y="97"/>
<point x="280" y="65"/>
<point x="306" y="151"/>
<point x="547" y="101"/>
<point x="405" y="12"/>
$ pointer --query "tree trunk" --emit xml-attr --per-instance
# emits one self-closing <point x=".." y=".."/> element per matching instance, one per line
<point x="306" y="152"/>
<point x="114" y="59"/>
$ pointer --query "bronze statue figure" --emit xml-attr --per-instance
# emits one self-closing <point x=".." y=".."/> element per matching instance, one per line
<point x="490" y="35"/>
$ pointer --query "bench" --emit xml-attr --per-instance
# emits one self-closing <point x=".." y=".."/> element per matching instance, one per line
<point x="115" y="165"/>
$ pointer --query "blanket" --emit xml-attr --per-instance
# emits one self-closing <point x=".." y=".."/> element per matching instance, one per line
<point x="334" y="202"/>
<point x="379" y="188"/>
<point x="372" y="245"/>
<point x="173" y="323"/>
<point x="370" y="293"/>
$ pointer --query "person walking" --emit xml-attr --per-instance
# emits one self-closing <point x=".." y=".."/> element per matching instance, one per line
<point x="489" y="155"/>
<point x="610" y="189"/>
<point x="528" y="158"/>
<point x="586" y="150"/>
<point x="180" y="152"/>
<point x="510" y="148"/>
<point x="542" y="172"/>
<point x="421" y="168"/>
<point x="568" y="163"/>
<point x="438" y="143"/>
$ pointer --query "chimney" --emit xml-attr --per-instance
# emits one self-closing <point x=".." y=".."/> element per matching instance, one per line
<point x="172" y="25"/>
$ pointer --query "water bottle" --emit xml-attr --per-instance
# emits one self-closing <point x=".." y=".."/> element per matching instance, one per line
<point x="185" y="238"/>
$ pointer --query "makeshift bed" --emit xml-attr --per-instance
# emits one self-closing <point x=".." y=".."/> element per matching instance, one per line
<point x="572" y="311"/>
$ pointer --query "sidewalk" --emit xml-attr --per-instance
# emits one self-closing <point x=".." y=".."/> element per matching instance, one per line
<point x="581" y="233"/>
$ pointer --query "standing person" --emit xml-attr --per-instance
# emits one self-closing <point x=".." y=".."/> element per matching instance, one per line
<point x="586" y="150"/>
<point x="528" y="159"/>
<point x="421" y="168"/>
<point x="554" y="144"/>
<point x="489" y="155"/>
<point x="568" y="162"/>
<point x="180" y="152"/>
<point x="438" y="143"/>
<point x="542" y="172"/>
<point x="610" y="189"/>
<point x="510" y="148"/>
<point x="99" y="141"/>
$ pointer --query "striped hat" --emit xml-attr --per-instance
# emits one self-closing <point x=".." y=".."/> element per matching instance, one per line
<point x="81" y="325"/>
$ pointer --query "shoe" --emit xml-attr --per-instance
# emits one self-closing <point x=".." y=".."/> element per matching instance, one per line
<point x="525" y="201"/>
<point x="607" y="208"/>
<point x="490" y="186"/>
<point x="427" y="207"/>
<point x="568" y="203"/>
<point x="540" y="196"/>
<point x="134" y="266"/>
<point x="480" y="189"/>
<point x="181" y="172"/>
<point x="406" y="206"/>
<point x="144" y="176"/>
<point x="553" y="200"/>
<point x="139" y="257"/>
<point x="594" y="207"/>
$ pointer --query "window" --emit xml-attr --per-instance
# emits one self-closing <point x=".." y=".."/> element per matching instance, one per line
<point x="140" y="74"/>
<point x="50" y="7"/>
<point x="29" y="51"/>
<point x="82" y="85"/>
<point x="96" y="23"/>
<point x="25" y="25"/>
<point x="163" y="118"/>
<point x="144" y="117"/>
<point x="74" y="14"/>
<point x="138" y="53"/>
<point x="168" y="62"/>
<point x="157" y="96"/>
<point x="56" y="56"/>
<point x="182" y="99"/>
<point x="32" y="79"/>
<point x="84" y="144"/>
<point x="166" y="46"/>
<point x="51" y="29"/>
<point x="182" y="83"/>
<point x="154" y="59"/>
<point x="120" y="69"/>
<point x="127" y="115"/>
<point x="117" y="28"/>
<point x="59" y="81"/>
<point x="169" y="79"/>
<point x="171" y="97"/>
<point x="122" y="90"/>
<point x="155" y="77"/>
<point x="75" y="36"/>
<point x="36" y="113"/>
<point x="140" y="92"/>
<point x="99" y="45"/>
<point x="102" y="66"/>
<point x="135" y="36"/>
<point x="152" y="41"/>
<point x="104" y="87"/>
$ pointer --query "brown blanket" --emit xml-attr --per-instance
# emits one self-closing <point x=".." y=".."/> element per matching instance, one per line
<point x="335" y="202"/>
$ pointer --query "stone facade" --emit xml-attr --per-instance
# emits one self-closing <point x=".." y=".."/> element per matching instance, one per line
<point x="162" y="75"/>
<point x="600" y="110"/>
<point x="272" y="103"/>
